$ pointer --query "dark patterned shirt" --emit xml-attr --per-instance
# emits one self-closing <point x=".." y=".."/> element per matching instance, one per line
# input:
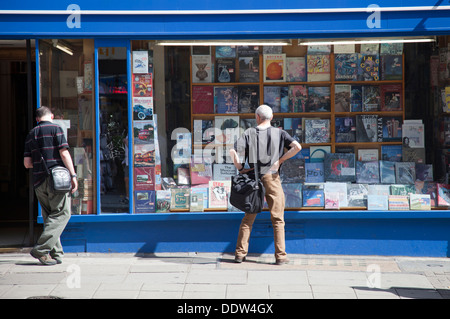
<point x="49" y="137"/>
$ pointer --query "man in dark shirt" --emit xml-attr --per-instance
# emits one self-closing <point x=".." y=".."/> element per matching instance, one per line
<point x="47" y="140"/>
<point x="270" y="155"/>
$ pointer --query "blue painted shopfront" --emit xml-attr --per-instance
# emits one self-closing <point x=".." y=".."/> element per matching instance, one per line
<point x="419" y="233"/>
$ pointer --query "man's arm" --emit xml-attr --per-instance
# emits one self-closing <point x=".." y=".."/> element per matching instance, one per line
<point x="67" y="160"/>
<point x="235" y="157"/>
<point x="28" y="162"/>
<point x="294" y="148"/>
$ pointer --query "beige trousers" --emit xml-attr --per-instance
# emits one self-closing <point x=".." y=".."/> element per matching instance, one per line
<point x="275" y="200"/>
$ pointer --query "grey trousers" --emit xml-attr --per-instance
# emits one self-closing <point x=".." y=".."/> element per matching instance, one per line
<point x="55" y="210"/>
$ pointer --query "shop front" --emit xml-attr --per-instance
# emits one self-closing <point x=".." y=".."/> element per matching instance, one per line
<point x="151" y="99"/>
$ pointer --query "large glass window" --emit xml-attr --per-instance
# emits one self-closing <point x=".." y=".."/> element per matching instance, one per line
<point x="66" y="86"/>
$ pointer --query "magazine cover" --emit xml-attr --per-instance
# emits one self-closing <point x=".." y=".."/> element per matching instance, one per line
<point x="248" y="98"/>
<point x="366" y="128"/>
<point x="387" y="172"/>
<point x="226" y="99"/>
<point x="144" y="202"/>
<point x="318" y="67"/>
<point x="357" y="195"/>
<point x="293" y="171"/>
<point x="367" y="172"/>
<point x="274" y="67"/>
<point x="342" y="97"/>
<point x="201" y="69"/>
<point x="443" y="194"/>
<point x="368" y="67"/>
<point x="292" y="194"/>
<point x="202" y="99"/>
<point x="314" y="173"/>
<point x="180" y="198"/>
<point x="420" y="202"/>
<point x="140" y="61"/>
<point x="345" y="128"/>
<point x="405" y="172"/>
<point x="318" y="99"/>
<point x="339" y="167"/>
<point x="295" y="69"/>
<point x="142" y="108"/>
<point x="377" y="202"/>
<point x="346" y="66"/>
<point x="218" y="194"/>
<point x="163" y="200"/>
<point x="356" y="98"/>
<point x="298" y="98"/>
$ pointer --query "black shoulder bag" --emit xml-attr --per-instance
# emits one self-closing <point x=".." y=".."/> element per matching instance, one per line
<point x="247" y="193"/>
<point x="60" y="178"/>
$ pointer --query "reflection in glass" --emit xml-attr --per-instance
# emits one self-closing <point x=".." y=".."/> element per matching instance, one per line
<point x="113" y="105"/>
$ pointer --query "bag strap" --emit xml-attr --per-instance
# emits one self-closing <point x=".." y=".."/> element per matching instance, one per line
<point x="256" y="156"/>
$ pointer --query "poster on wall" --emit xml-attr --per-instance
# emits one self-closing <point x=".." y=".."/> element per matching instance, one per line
<point x="140" y="62"/>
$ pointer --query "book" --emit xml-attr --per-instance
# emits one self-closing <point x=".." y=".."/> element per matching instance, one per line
<point x="218" y="194"/>
<point x="274" y="67"/>
<point x="413" y="135"/>
<point x="144" y="178"/>
<point x="337" y="188"/>
<point x="225" y="99"/>
<point x="144" y="202"/>
<point x="367" y="172"/>
<point x="196" y="201"/>
<point x="368" y="67"/>
<point x="391" y="153"/>
<point x="342" y="97"/>
<point x="391" y="67"/>
<point x="292" y="194"/>
<point x="318" y="67"/>
<point x="144" y="155"/>
<point x="391" y="97"/>
<point x="317" y="130"/>
<point x="392" y="129"/>
<point x="293" y="171"/>
<point x="200" y="169"/>
<point x="203" y="191"/>
<point x="367" y="154"/>
<point x="416" y="155"/>
<point x="179" y="198"/>
<point x="370" y="48"/>
<point x="331" y="200"/>
<point x="272" y="97"/>
<point x="356" y="98"/>
<point x="391" y="48"/>
<point x="313" y="196"/>
<point x="226" y="129"/>
<point x="203" y="131"/>
<point x="140" y="61"/>
<point x="293" y="126"/>
<point x="377" y="202"/>
<point x="319" y="49"/>
<point x="357" y="195"/>
<point x="298" y="98"/>
<point x="201" y="69"/>
<point x="248" y="51"/>
<point x="223" y="172"/>
<point x="429" y="188"/>
<point x="443" y="194"/>
<point x="248" y="98"/>
<point x="225" y="70"/>
<point x="401" y="189"/>
<point x="366" y="128"/>
<point x="248" y="68"/>
<point x="163" y="200"/>
<point x="183" y="176"/>
<point x="398" y="202"/>
<point x="420" y="202"/>
<point x="318" y="99"/>
<point x="371" y="98"/>
<point x="317" y="153"/>
<point x="405" y="172"/>
<point x="377" y="189"/>
<point x="387" y="172"/>
<point x="226" y="51"/>
<point x="202" y="99"/>
<point x="345" y="128"/>
<point x="346" y="66"/>
<point x="168" y="183"/>
<point x="314" y="173"/>
<point x="424" y="172"/>
<point x="142" y="108"/>
<point x="339" y="167"/>
<point x="295" y="69"/>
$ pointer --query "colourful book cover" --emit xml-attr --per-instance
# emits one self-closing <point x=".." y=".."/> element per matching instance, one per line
<point x="274" y="67"/>
<point x="313" y="198"/>
<point x="144" y="202"/>
<point x="318" y="67"/>
<point x="331" y="200"/>
<point x="180" y="198"/>
<point x="398" y="202"/>
<point x="346" y="66"/>
<point x="391" y="67"/>
<point x="339" y="167"/>
<point x="342" y="97"/>
<point x="144" y="178"/>
<point x="377" y="202"/>
<point x="225" y="70"/>
<point x="443" y="194"/>
<point x="249" y="69"/>
<point x="427" y="188"/>
<point x="318" y="99"/>
<point x="226" y="99"/>
<point x="163" y="200"/>
<point x="420" y="202"/>
<point x="295" y="69"/>
<point x="314" y="173"/>
<point x="391" y="97"/>
<point x="202" y="99"/>
<point x="369" y="67"/>
<point x="298" y="97"/>
<point x="248" y="98"/>
<point x="218" y="194"/>
<point x="367" y="172"/>
<point x="203" y="190"/>
<point x="356" y="98"/>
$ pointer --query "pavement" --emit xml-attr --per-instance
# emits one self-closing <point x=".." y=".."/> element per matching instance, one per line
<point x="184" y="276"/>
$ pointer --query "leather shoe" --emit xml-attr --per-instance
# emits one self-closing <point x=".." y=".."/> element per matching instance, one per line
<point x="282" y="261"/>
<point x="45" y="259"/>
<point x="239" y="259"/>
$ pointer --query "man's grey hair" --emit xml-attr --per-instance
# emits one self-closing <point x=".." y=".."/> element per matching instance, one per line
<point x="264" y="111"/>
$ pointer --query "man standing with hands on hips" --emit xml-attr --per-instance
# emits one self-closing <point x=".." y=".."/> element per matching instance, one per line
<point x="47" y="139"/>
<point x="271" y="145"/>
